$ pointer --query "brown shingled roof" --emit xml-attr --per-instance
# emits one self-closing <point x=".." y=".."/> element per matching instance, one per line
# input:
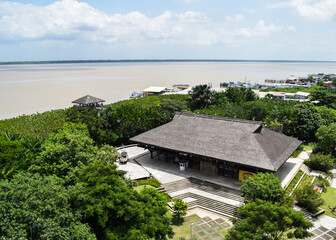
<point x="238" y="141"/>
<point x="88" y="100"/>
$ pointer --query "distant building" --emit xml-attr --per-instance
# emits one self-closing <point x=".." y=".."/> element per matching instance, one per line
<point x="328" y="84"/>
<point x="89" y="102"/>
<point x="302" y="95"/>
<point x="278" y="95"/>
<point x="229" y="147"/>
<point x="151" y="91"/>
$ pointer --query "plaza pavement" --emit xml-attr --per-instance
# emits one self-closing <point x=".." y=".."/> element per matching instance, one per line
<point x="141" y="164"/>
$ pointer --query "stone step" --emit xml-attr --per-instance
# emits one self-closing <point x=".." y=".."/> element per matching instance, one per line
<point x="203" y="186"/>
<point x="305" y="169"/>
<point x="217" y="206"/>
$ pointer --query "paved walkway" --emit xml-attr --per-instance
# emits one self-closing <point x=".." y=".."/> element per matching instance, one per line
<point x="207" y="228"/>
<point x="324" y="228"/>
<point x="168" y="172"/>
<point x="133" y="169"/>
<point x="333" y="181"/>
<point x="288" y="171"/>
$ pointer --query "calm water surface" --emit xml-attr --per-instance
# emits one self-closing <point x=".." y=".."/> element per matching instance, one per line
<point x="26" y="89"/>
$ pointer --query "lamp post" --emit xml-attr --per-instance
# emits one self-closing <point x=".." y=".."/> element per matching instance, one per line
<point x="191" y="225"/>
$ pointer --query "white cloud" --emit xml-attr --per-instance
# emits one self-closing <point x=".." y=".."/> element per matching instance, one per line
<point x="71" y="20"/>
<point x="261" y="29"/>
<point x="312" y="9"/>
<point x="235" y="18"/>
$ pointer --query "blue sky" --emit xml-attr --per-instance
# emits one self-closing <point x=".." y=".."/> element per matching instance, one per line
<point x="167" y="29"/>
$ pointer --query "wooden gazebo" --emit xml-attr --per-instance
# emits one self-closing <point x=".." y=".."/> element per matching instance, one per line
<point x="89" y="102"/>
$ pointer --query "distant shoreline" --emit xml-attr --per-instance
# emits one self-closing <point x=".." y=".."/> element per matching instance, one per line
<point x="157" y="60"/>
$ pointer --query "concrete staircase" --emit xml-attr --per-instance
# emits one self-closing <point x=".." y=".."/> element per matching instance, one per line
<point x="212" y="205"/>
<point x="305" y="169"/>
<point x="202" y="201"/>
<point x="204" y="186"/>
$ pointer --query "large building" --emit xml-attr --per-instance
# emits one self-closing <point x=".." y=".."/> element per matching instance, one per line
<point x="230" y="147"/>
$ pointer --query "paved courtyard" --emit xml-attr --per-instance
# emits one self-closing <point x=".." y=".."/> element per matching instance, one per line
<point x="207" y="228"/>
<point x="214" y="198"/>
<point x="133" y="169"/>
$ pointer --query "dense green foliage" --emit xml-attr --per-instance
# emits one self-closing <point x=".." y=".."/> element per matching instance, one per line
<point x="324" y="96"/>
<point x="67" y="150"/>
<point x="151" y="181"/>
<point x="326" y="136"/>
<point x="295" y="180"/>
<point x="116" y="211"/>
<point x="305" y="120"/>
<point x="180" y="209"/>
<point x="287" y="90"/>
<point x="266" y="220"/>
<point x="307" y="197"/>
<point x="39" y="124"/>
<point x="320" y="162"/>
<point x="122" y="120"/>
<point x="76" y="193"/>
<point x="200" y="96"/>
<point x="17" y="153"/>
<point x="35" y="207"/>
<point x="263" y="186"/>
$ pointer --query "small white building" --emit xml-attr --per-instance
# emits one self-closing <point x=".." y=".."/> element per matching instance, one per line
<point x="301" y="95"/>
<point x="151" y="91"/>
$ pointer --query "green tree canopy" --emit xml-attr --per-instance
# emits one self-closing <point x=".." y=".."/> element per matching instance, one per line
<point x="11" y="155"/>
<point x="326" y="136"/>
<point x="115" y="211"/>
<point x="200" y="96"/>
<point x="305" y="120"/>
<point x="65" y="153"/>
<point x="35" y="207"/>
<point x="263" y="186"/>
<point x="17" y="153"/>
<point x="321" y="162"/>
<point x="180" y="209"/>
<point x="240" y="95"/>
<point x="266" y="220"/>
<point x="307" y="197"/>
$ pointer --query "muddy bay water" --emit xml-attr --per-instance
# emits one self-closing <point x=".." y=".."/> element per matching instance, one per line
<point x="26" y="89"/>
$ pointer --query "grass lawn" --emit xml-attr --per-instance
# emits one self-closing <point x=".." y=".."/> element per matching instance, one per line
<point x="184" y="229"/>
<point x="139" y="188"/>
<point x="308" y="146"/>
<point x="294" y="181"/>
<point x="306" y="179"/>
<point x="330" y="200"/>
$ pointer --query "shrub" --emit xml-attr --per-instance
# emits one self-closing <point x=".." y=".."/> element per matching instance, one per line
<point x="320" y="162"/>
<point x="307" y="197"/>
<point x="294" y="182"/>
<point x="150" y="181"/>
<point x="263" y="186"/>
<point x="180" y="210"/>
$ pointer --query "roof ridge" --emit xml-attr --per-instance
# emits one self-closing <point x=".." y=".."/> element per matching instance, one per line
<point x="217" y="118"/>
<point x="269" y="161"/>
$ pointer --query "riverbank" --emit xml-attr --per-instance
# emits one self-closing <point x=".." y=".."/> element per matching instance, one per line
<point x="26" y="89"/>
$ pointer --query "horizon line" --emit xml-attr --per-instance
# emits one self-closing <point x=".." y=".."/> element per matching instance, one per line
<point x="155" y="60"/>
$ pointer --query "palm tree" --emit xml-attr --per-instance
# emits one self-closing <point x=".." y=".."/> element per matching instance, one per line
<point x="200" y="96"/>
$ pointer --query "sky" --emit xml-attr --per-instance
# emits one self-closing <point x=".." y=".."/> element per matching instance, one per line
<point x="40" y="30"/>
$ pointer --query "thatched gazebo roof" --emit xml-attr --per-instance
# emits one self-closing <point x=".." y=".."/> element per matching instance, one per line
<point x="88" y="100"/>
<point x="238" y="141"/>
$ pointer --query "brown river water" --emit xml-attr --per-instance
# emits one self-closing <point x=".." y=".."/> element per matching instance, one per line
<point x="26" y="89"/>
